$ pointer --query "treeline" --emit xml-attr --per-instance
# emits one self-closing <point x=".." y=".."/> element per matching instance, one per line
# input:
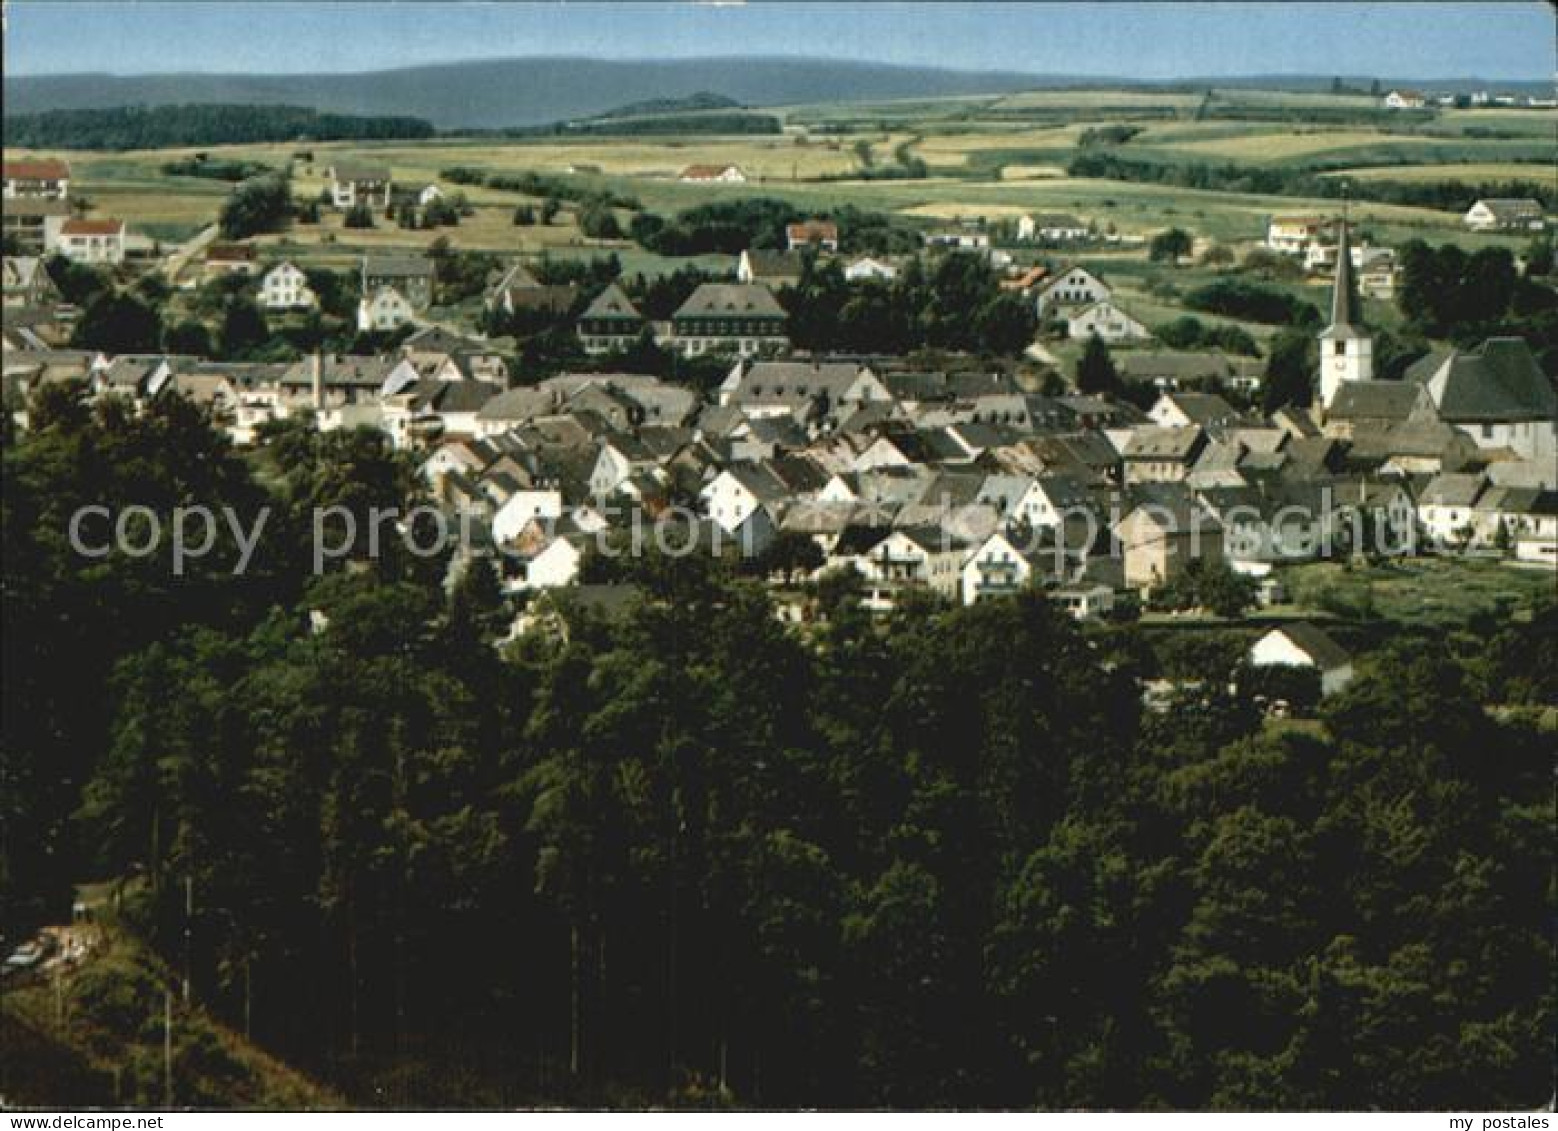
<point x="1467" y="297"/>
<point x="539" y="184"/>
<point x="218" y="169"/>
<point x="739" y="122"/>
<point x="687" y="856"/>
<point x="155" y="127"/>
<point x="729" y="227"/>
<point x="1450" y="196"/>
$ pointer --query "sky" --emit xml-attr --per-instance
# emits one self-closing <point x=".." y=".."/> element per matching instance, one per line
<point x="1493" y="40"/>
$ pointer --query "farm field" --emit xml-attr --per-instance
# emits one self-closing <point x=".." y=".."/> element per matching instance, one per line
<point x="985" y="156"/>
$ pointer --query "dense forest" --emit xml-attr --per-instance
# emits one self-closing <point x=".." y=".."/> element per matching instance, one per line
<point x="155" y="127"/>
<point x="688" y="854"/>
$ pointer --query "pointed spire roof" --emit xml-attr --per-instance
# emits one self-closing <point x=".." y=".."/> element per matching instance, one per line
<point x="1346" y="310"/>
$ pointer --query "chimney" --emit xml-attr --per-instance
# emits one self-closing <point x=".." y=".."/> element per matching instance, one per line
<point x="318" y="376"/>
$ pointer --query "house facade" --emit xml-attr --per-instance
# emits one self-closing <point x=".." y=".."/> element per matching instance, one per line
<point x="285" y="287"/>
<point x="36" y="179"/>
<point x="353" y="183"/>
<point x="91" y="241"/>
<point x="410" y="276"/>
<point x="741" y="319"/>
<point x="1505" y="216"/>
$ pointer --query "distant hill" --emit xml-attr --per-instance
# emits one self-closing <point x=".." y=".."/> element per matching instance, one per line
<point x="693" y="103"/>
<point x="494" y="93"/>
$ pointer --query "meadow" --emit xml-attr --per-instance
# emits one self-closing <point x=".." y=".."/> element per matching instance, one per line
<point x="995" y="157"/>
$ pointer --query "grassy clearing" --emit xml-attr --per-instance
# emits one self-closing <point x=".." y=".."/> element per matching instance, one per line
<point x="95" y="1039"/>
<point x="1467" y="172"/>
<point x="1429" y="593"/>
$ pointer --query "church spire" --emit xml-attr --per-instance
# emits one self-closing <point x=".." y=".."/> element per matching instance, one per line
<point x="1346" y="313"/>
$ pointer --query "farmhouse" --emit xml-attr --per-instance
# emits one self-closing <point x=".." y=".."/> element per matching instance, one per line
<point x="91" y="241"/>
<point x="867" y="267"/>
<point x="713" y="175"/>
<point x="1301" y="644"/>
<point x="1162" y="534"/>
<point x="353" y="183"/>
<point x="774" y="269"/>
<point x="285" y="287"/>
<point x="822" y="234"/>
<point x="1505" y="216"/>
<point x="37" y="179"/>
<point x="1107" y="321"/>
<point x="743" y="319"/>
<point x="27" y="282"/>
<point x="1292" y="235"/>
<point x="1073" y="287"/>
<point x="386" y="309"/>
<point x="410" y="275"/>
<point x="229" y="259"/>
<point x="1051" y="227"/>
<point x="1405" y="100"/>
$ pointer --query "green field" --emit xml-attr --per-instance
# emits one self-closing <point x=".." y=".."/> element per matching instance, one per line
<point x="989" y="156"/>
<point x="1434" y="593"/>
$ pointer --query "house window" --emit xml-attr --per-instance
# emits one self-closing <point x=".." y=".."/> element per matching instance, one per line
<point x="1339" y="348"/>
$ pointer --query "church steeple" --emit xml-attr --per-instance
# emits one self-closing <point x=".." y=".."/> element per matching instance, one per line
<point x="1346" y="349"/>
<point x="1345" y="308"/>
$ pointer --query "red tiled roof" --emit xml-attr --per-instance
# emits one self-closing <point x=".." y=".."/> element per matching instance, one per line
<point x="46" y="169"/>
<point x="813" y="230"/>
<point x="219" y="251"/>
<point x="92" y="227"/>
<point x="701" y="171"/>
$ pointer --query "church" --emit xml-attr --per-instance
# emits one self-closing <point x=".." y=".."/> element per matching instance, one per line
<point x="1495" y="393"/>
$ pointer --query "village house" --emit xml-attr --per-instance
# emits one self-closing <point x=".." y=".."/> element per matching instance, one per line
<point x="713" y="175"/>
<point x="410" y="276"/>
<point x="1301" y="644"/>
<point x="868" y="267"/>
<point x="1161" y="534"/>
<point x="1107" y="321"/>
<point x="1073" y="287"/>
<point x="743" y="319"/>
<point x="1172" y="371"/>
<point x="911" y="558"/>
<point x="1161" y="454"/>
<point x="27" y="282"/>
<point x="1404" y="100"/>
<point x="229" y="259"/>
<point x="353" y="183"/>
<point x="285" y="287"/>
<point x="823" y="234"/>
<point x="1506" y="216"/>
<point x="1051" y="227"/>
<point x="99" y="241"/>
<point x="1002" y="565"/>
<point x="517" y="291"/>
<point x="383" y="311"/>
<point x="773" y="269"/>
<point x="1292" y="235"/>
<point x="31" y="224"/>
<point x="963" y="235"/>
<point x="610" y="323"/>
<point x="1446" y="510"/>
<point x="36" y="178"/>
